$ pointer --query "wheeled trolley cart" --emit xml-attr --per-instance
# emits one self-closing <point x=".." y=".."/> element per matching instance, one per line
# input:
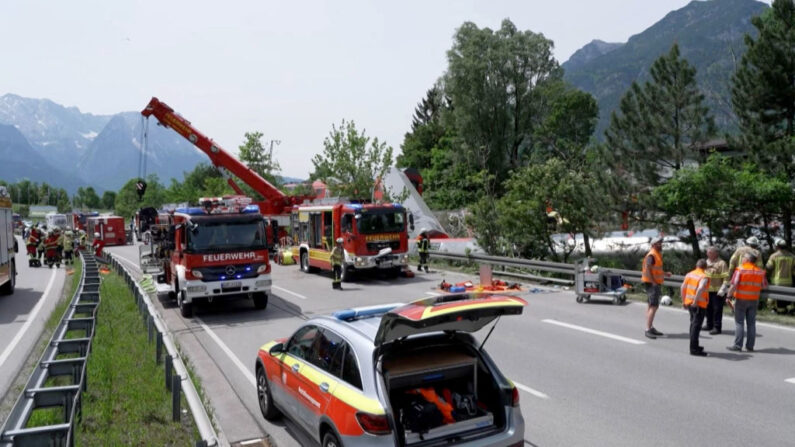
<point x="592" y="281"/>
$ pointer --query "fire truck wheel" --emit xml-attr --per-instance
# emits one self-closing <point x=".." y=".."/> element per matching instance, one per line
<point x="186" y="309"/>
<point x="305" y="262"/>
<point x="330" y="440"/>
<point x="260" y="300"/>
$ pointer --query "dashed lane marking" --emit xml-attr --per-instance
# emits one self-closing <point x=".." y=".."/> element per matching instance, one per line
<point x="290" y="292"/>
<point x="792" y="380"/>
<point x="31" y="318"/>
<point x="236" y="361"/>
<point x="531" y="391"/>
<point x="595" y="332"/>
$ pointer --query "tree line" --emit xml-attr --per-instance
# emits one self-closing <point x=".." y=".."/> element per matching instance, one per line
<point x="25" y="193"/>
<point x="504" y="136"/>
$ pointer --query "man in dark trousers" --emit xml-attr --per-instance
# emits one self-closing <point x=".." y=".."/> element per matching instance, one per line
<point x="423" y="247"/>
<point x="337" y="257"/>
<point x="695" y="296"/>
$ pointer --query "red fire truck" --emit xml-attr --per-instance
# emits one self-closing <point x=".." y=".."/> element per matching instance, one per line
<point x="110" y="229"/>
<point x="78" y="219"/>
<point x="8" y="245"/>
<point x="375" y="237"/>
<point x="217" y="250"/>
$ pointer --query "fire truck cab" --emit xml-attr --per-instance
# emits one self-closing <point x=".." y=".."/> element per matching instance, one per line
<point x="374" y="237"/>
<point x="215" y="250"/>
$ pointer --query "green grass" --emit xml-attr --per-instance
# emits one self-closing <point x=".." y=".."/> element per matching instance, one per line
<point x="126" y="402"/>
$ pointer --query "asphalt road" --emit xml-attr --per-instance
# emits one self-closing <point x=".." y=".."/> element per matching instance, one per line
<point x="23" y="314"/>
<point x="588" y="375"/>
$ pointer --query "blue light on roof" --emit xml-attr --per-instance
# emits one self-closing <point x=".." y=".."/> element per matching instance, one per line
<point x="354" y="314"/>
<point x="356" y="206"/>
<point x="251" y="209"/>
<point x="191" y="211"/>
<point x="397" y="205"/>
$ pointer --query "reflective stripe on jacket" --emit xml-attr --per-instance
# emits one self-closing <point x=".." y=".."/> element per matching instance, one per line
<point x="718" y="273"/>
<point x="750" y="281"/>
<point x="424" y="245"/>
<point x="654" y="275"/>
<point x="781" y="263"/>
<point x="337" y="255"/>
<point x="692" y="280"/>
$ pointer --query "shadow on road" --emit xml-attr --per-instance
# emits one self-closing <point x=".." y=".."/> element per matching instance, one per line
<point x="729" y="356"/>
<point x="20" y="303"/>
<point x="783" y="351"/>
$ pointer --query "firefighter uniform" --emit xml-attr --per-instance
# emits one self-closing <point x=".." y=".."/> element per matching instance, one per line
<point x="694" y="298"/>
<point x="337" y="257"/>
<point x="423" y="247"/>
<point x="781" y="265"/>
<point x="68" y="248"/>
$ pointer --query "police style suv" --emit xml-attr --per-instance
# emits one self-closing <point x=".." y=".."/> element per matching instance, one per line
<point x="395" y="375"/>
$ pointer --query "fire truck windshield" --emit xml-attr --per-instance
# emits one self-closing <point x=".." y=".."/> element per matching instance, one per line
<point x="380" y="222"/>
<point x="211" y="236"/>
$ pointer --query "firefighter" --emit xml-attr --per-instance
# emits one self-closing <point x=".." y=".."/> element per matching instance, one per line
<point x="423" y="246"/>
<point x="83" y="238"/>
<point x="32" y="244"/>
<point x="780" y="265"/>
<point x="98" y="245"/>
<point x="337" y="256"/>
<point x="68" y="247"/>
<point x="43" y="233"/>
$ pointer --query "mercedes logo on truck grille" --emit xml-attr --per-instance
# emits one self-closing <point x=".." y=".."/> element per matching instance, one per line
<point x="230" y="270"/>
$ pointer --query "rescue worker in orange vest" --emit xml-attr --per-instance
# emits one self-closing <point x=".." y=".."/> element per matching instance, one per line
<point x="652" y="275"/>
<point x="337" y="257"/>
<point x="695" y="297"/>
<point x="747" y="284"/>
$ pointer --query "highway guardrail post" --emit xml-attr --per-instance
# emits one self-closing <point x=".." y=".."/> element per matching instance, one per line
<point x="176" y="381"/>
<point x="168" y="372"/>
<point x="158" y="347"/>
<point x="149" y="325"/>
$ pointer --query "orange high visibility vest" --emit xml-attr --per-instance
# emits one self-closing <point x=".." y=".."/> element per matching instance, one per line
<point x="656" y="275"/>
<point x="691" y="286"/>
<point x="750" y="282"/>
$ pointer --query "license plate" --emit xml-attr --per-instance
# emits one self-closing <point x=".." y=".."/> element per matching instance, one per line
<point x="230" y="285"/>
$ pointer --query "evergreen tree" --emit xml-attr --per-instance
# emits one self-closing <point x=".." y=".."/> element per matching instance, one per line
<point x="662" y="125"/>
<point x="763" y="96"/>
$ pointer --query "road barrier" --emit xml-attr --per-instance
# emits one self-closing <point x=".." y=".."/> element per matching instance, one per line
<point x="632" y="276"/>
<point x="176" y="375"/>
<point x="38" y="396"/>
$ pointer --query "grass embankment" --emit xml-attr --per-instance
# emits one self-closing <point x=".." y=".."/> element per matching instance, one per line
<point x="126" y="401"/>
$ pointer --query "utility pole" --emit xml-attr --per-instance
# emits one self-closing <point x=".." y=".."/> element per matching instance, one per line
<point x="270" y="153"/>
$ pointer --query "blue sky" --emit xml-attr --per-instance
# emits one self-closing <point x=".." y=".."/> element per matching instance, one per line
<point x="287" y="69"/>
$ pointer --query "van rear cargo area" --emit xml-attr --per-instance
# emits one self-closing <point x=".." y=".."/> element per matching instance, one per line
<point x="440" y="393"/>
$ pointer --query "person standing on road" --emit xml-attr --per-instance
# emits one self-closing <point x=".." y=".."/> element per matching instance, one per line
<point x="780" y="266"/>
<point x="652" y="275"/>
<point x="423" y="247"/>
<point x="718" y="274"/>
<point x="747" y="284"/>
<point x="337" y="256"/>
<point x="751" y="246"/>
<point x="695" y="296"/>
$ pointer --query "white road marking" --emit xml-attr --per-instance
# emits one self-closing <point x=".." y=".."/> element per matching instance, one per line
<point x="236" y="361"/>
<point x="726" y="318"/>
<point x="290" y="292"/>
<point x="792" y="380"/>
<point x="529" y="390"/>
<point x="252" y="441"/>
<point x="774" y="326"/>
<point x="595" y="332"/>
<point x="31" y="318"/>
<point x="433" y="293"/>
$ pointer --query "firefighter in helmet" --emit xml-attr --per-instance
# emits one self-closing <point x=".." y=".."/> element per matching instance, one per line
<point x="337" y="257"/>
<point x="423" y="247"/>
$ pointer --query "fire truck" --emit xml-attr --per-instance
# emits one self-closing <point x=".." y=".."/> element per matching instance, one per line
<point x="374" y="237"/>
<point x="8" y="245"/>
<point x="78" y="219"/>
<point x="110" y="229"/>
<point x="217" y="250"/>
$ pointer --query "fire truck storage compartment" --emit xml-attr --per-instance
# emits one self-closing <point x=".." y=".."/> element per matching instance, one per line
<point x="450" y="370"/>
<point x="110" y="228"/>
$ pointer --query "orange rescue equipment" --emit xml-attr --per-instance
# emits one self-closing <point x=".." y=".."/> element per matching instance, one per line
<point x="750" y="282"/>
<point x="654" y="275"/>
<point x="431" y="396"/>
<point x="691" y="286"/>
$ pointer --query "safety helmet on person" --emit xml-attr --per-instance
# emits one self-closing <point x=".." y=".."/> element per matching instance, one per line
<point x="753" y="241"/>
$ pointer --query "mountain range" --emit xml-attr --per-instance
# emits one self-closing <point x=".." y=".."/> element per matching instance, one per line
<point x="710" y="35"/>
<point x="46" y="142"/>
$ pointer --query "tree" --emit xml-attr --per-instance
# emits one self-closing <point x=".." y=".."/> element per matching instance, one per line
<point x="763" y="96"/>
<point x="351" y="162"/>
<point x="24" y="211"/>
<point x="426" y="130"/>
<point x="662" y="124"/>
<point x="259" y="159"/>
<point x="108" y="200"/>
<point x="492" y="81"/>
<point x="567" y="124"/>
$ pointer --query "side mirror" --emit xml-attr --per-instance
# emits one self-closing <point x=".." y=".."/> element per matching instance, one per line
<point x="411" y="221"/>
<point x="276" y="349"/>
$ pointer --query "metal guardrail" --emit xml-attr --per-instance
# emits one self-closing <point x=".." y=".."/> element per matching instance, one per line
<point x="36" y="394"/>
<point x="176" y="375"/>
<point x="632" y="276"/>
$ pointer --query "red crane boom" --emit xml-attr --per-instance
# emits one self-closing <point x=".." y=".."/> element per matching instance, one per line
<point x="276" y="202"/>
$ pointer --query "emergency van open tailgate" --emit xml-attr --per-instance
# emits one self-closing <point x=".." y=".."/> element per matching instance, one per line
<point x="467" y="312"/>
